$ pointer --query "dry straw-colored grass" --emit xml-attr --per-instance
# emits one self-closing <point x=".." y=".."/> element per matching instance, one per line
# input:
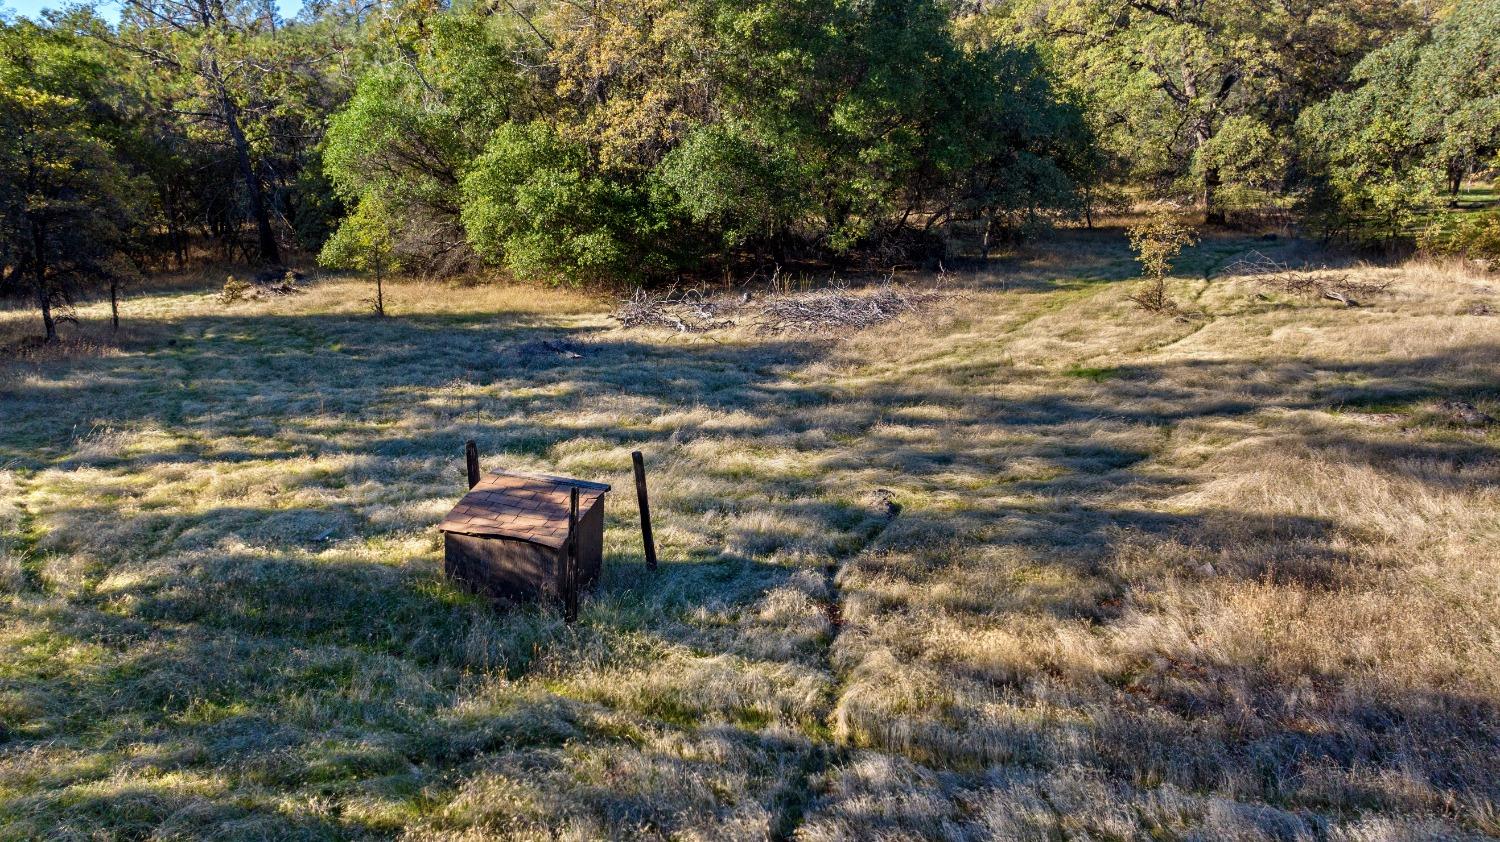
<point x="1228" y="577"/>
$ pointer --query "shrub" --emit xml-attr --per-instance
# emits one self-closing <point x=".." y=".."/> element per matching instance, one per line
<point x="1157" y="241"/>
<point x="234" y="290"/>
<point x="1475" y="236"/>
<point x="532" y="203"/>
<point x="723" y="178"/>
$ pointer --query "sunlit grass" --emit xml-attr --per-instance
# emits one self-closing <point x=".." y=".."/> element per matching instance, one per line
<point x="1232" y="576"/>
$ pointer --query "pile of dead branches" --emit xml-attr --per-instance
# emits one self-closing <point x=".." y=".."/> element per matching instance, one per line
<point x="839" y="309"/>
<point x="683" y="311"/>
<point x="835" y="309"/>
<point x="267" y="284"/>
<point x="1322" y="282"/>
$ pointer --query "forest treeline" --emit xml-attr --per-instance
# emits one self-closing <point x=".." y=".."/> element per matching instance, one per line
<point x="577" y="140"/>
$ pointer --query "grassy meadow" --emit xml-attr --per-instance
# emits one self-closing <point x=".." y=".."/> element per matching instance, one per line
<point x="1232" y="576"/>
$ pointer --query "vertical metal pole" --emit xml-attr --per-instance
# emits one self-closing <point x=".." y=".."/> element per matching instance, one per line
<point x="471" y="458"/>
<point x="645" y="505"/>
<point x="570" y="605"/>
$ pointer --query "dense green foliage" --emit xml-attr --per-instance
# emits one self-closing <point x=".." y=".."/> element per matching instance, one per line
<point x="413" y="126"/>
<point x="68" y="211"/>
<point x="1425" y="116"/>
<point x="1196" y="99"/>
<point x="648" y="139"/>
<point x="533" y="202"/>
<point x="676" y="135"/>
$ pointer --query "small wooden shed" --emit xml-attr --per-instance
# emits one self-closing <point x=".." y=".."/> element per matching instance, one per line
<point x="508" y="537"/>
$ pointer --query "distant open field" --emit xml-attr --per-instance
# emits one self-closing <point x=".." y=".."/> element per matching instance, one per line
<point x="1234" y="576"/>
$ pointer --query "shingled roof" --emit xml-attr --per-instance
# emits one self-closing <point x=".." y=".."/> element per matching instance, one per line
<point x="525" y="507"/>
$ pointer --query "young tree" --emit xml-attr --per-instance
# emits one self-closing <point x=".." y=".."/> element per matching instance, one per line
<point x="1156" y="241"/>
<point x="363" y="243"/>
<point x="67" y="205"/>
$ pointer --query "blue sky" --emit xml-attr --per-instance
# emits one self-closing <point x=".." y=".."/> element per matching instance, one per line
<point x="108" y="9"/>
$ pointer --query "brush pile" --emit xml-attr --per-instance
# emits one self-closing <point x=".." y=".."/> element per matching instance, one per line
<point x="683" y="311"/>
<point x="1278" y="276"/>
<point x="839" y="309"/>
<point x="268" y="283"/>
<point x="835" y="309"/>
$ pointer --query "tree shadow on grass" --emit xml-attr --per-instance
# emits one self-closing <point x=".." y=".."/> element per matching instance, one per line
<point x="333" y="672"/>
<point x="1006" y="738"/>
<point x="243" y="376"/>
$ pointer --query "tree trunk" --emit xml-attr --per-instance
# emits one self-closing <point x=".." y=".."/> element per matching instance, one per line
<point x="1212" y="213"/>
<point x="379" y="293"/>
<point x="114" y="304"/>
<point x="1455" y="185"/>
<point x="1202" y="134"/>
<point x="1209" y="189"/>
<point x="268" y="252"/>
<point x="174" y="229"/>
<point x="39" y="273"/>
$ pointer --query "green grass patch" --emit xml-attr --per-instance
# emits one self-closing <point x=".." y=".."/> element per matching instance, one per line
<point x="1097" y="374"/>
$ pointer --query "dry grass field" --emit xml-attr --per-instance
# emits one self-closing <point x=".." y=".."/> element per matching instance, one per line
<point x="1234" y="576"/>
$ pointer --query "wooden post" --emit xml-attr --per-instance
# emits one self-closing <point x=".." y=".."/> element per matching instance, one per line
<point x="471" y="457"/>
<point x="570" y="592"/>
<point x="645" y="506"/>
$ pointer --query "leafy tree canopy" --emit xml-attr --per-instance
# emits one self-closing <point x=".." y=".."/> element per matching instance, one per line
<point x="647" y="137"/>
<point x="1197" y="97"/>
<point x="1424" y="115"/>
<point x="68" y="211"/>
